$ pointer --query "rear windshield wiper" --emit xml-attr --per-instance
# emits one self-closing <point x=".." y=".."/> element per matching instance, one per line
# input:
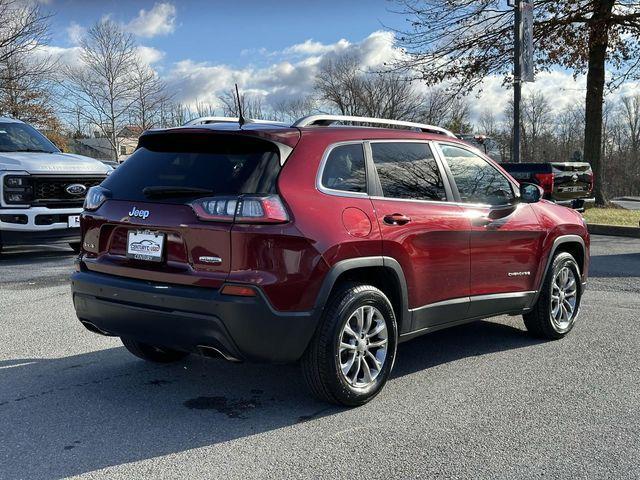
<point x="160" y="191"/>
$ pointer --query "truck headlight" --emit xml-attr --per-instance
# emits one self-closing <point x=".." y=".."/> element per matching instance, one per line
<point x="17" y="190"/>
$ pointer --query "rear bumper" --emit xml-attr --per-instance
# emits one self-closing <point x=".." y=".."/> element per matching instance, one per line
<point x="191" y="318"/>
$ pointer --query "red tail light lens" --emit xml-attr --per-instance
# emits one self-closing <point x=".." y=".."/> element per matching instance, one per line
<point x="242" y="209"/>
<point x="545" y="180"/>
<point x="96" y="196"/>
<point x="238" y="291"/>
<point x="591" y="181"/>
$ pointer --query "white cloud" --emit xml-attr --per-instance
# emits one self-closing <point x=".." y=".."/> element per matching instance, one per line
<point x="75" y="32"/>
<point x="310" y="47"/>
<point x="64" y="56"/>
<point x="160" y="20"/>
<point x="149" y="55"/>
<point x="290" y="74"/>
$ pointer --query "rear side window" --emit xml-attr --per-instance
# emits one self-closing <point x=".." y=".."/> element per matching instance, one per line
<point x="408" y="170"/>
<point x="222" y="164"/>
<point x="345" y="169"/>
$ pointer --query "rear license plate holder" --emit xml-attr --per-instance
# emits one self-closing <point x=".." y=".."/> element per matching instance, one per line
<point x="145" y="245"/>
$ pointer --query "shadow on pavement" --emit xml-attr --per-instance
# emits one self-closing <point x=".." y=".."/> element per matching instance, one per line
<point x="622" y="265"/>
<point x="67" y="416"/>
<point x="12" y="256"/>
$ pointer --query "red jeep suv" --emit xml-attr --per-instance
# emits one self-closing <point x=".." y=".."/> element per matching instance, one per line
<point x="318" y="243"/>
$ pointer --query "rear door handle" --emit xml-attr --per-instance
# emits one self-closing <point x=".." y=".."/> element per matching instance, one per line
<point x="396" y="219"/>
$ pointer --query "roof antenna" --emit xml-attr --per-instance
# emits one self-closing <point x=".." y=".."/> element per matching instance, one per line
<point x="241" y="119"/>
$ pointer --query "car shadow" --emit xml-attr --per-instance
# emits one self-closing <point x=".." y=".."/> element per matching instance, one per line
<point x="13" y="256"/>
<point x="624" y="265"/>
<point x="67" y="416"/>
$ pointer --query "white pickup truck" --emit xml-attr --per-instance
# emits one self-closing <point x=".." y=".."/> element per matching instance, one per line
<point x="42" y="190"/>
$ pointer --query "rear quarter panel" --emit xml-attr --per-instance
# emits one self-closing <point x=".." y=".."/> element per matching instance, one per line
<point x="319" y="217"/>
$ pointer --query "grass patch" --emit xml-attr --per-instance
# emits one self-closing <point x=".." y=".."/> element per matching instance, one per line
<point x="613" y="216"/>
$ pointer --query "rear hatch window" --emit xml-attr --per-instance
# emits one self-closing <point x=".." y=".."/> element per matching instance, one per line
<point x="212" y="164"/>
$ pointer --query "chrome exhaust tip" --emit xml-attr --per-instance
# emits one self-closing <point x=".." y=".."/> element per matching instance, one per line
<point x="215" y="352"/>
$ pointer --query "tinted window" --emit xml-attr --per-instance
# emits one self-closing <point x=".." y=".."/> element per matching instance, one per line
<point x="345" y="169"/>
<point x="476" y="179"/>
<point x="224" y="164"/>
<point x="408" y="170"/>
<point x="20" y="137"/>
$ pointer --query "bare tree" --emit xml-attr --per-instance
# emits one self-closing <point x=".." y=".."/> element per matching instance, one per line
<point x="458" y="117"/>
<point x="537" y="119"/>
<point x="103" y="85"/>
<point x="289" y="110"/>
<point x="252" y="105"/>
<point x="630" y="112"/>
<point x="24" y="27"/>
<point x="436" y="105"/>
<point x="150" y="95"/>
<point x="25" y="86"/>
<point x="488" y="123"/>
<point x="23" y="95"/>
<point x="352" y="91"/>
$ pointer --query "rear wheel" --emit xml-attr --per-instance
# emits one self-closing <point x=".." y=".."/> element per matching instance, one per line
<point x="152" y="353"/>
<point x="350" y="358"/>
<point x="557" y="308"/>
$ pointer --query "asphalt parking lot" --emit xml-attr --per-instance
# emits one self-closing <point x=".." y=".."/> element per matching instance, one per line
<point x="477" y="401"/>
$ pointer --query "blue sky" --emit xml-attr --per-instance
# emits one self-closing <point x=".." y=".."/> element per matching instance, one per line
<point x="231" y="32"/>
<point x="272" y="49"/>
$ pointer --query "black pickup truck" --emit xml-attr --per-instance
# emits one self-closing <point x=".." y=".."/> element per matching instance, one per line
<point x="565" y="183"/>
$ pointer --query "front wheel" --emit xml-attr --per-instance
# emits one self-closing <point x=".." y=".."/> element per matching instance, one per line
<point x="556" y="310"/>
<point x="152" y="353"/>
<point x="351" y="356"/>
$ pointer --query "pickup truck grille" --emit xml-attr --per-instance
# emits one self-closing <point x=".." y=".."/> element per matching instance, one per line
<point x="51" y="191"/>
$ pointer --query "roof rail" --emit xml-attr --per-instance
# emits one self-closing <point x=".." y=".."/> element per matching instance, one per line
<point x="205" y="120"/>
<point x="326" y="120"/>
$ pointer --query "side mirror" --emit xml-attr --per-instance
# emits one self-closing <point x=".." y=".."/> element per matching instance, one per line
<point x="530" y="193"/>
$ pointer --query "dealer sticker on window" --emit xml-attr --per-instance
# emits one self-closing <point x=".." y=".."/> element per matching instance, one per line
<point x="145" y="245"/>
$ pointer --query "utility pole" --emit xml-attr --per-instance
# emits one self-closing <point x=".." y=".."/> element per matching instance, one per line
<point x="517" y="78"/>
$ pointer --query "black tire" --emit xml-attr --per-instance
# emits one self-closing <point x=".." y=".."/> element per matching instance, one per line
<point x="539" y="321"/>
<point x="321" y="361"/>
<point x="75" y="246"/>
<point x="152" y="353"/>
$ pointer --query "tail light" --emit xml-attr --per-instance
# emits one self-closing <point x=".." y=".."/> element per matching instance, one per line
<point x="545" y="180"/>
<point x="241" y="209"/>
<point x="96" y="196"/>
<point x="591" y="181"/>
<point x="238" y="291"/>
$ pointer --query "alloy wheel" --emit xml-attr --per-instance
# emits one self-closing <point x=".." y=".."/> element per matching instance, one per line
<point x="363" y="346"/>
<point x="564" y="298"/>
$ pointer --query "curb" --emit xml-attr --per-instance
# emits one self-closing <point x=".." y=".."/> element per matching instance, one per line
<point x="613" y="230"/>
